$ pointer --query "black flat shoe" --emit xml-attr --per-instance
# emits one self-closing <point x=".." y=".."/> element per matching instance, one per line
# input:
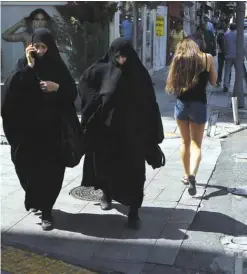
<point x="34" y="210"/>
<point x="134" y="223"/>
<point x="47" y="225"/>
<point x="47" y="222"/>
<point x="192" y="185"/>
<point x="105" y="203"/>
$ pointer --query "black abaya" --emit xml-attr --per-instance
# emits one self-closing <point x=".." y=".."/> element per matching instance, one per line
<point x="32" y="123"/>
<point x="121" y="119"/>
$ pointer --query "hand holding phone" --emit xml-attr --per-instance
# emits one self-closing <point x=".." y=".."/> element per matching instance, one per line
<point x="30" y="54"/>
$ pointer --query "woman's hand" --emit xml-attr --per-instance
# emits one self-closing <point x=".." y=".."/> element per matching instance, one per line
<point x="30" y="50"/>
<point x="48" y="86"/>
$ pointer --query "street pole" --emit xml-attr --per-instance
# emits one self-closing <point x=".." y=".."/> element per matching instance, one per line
<point x="135" y="23"/>
<point x="238" y="89"/>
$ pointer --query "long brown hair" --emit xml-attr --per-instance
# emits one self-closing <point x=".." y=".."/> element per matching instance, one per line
<point x="185" y="67"/>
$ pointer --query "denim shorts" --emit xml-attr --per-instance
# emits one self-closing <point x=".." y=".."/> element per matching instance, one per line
<point x="195" y="112"/>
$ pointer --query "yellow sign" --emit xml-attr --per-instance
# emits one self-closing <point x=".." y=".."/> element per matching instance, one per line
<point x="160" y="26"/>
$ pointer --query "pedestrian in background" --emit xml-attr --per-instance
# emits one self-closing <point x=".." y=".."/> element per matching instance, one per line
<point x="221" y="52"/>
<point x="177" y="35"/>
<point x="198" y="38"/>
<point x="230" y="48"/>
<point x="38" y="93"/>
<point x="122" y="125"/>
<point x="190" y="71"/>
<point x="204" y="39"/>
<point x="209" y="24"/>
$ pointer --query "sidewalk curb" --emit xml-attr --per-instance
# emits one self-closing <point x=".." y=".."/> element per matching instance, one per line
<point x="230" y="133"/>
<point x="84" y="264"/>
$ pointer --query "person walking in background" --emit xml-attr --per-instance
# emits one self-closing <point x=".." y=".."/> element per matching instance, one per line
<point x="177" y="35"/>
<point x="122" y="125"/>
<point x="38" y="93"/>
<point x="230" y="48"/>
<point x="127" y="29"/>
<point x="221" y="53"/>
<point x="204" y="39"/>
<point x="189" y="73"/>
<point x="198" y="38"/>
<point x="209" y="25"/>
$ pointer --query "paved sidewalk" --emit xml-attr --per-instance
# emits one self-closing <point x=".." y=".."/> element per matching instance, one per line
<point x="86" y="236"/>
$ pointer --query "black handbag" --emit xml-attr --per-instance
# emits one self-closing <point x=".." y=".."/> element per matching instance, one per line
<point x="155" y="157"/>
<point x="73" y="145"/>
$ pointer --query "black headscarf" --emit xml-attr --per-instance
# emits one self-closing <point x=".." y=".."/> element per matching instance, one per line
<point x="50" y="66"/>
<point x="106" y="80"/>
<point x="22" y="87"/>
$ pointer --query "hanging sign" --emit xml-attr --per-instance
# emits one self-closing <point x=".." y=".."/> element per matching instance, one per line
<point x="160" y="26"/>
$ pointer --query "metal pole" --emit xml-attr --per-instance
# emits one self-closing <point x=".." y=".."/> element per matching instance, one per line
<point x="135" y="22"/>
<point x="238" y="89"/>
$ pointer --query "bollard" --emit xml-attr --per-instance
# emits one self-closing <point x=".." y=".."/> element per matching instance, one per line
<point x="235" y="110"/>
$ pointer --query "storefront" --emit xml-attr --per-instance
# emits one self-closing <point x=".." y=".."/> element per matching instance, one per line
<point x="150" y="46"/>
<point x="160" y="38"/>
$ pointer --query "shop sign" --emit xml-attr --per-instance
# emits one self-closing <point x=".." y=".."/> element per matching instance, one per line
<point x="160" y="26"/>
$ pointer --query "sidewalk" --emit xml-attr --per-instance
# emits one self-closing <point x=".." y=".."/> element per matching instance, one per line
<point x="85" y="236"/>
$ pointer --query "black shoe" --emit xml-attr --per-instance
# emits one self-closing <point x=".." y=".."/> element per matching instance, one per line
<point x="192" y="185"/>
<point x="105" y="202"/>
<point x="134" y="221"/>
<point x="34" y="210"/>
<point x="47" y="225"/>
<point x="225" y="90"/>
<point x="47" y="222"/>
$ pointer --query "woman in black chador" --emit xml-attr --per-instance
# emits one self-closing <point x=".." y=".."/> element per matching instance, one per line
<point x="38" y="92"/>
<point x="121" y="122"/>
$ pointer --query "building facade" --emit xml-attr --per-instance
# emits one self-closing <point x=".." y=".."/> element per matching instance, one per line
<point x="146" y="28"/>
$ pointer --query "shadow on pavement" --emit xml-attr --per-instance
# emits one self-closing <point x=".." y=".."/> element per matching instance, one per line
<point x="154" y="221"/>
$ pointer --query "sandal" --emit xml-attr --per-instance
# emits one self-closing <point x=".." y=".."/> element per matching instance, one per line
<point x="185" y="180"/>
<point x="192" y="185"/>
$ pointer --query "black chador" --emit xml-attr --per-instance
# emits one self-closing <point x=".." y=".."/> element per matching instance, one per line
<point x="121" y="121"/>
<point x="32" y="124"/>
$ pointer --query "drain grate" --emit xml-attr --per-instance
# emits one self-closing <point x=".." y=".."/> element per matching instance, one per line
<point x="86" y="193"/>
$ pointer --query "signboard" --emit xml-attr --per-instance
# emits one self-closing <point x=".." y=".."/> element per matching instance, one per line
<point x="160" y="26"/>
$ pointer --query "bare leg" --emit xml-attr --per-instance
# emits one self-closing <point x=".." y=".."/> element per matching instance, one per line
<point x="185" y="145"/>
<point x="195" y="146"/>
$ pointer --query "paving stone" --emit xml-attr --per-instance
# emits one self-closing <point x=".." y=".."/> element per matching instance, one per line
<point x="192" y="200"/>
<point x="183" y="214"/>
<point x="152" y="192"/>
<point x="163" y="269"/>
<point x="137" y="253"/>
<point x="8" y="190"/>
<point x="167" y="246"/>
<point x="172" y="194"/>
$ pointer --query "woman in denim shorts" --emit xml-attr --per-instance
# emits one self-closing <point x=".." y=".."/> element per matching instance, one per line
<point x="189" y="74"/>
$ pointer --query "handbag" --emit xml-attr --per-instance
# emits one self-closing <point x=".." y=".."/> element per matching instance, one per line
<point x="155" y="157"/>
<point x="73" y="144"/>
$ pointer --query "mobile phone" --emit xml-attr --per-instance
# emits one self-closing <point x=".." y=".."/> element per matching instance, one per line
<point x="33" y="54"/>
